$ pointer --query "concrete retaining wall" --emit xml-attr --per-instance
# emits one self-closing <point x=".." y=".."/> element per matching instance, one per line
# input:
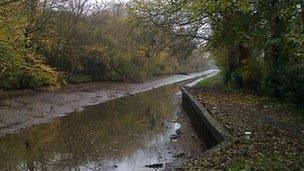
<point x="209" y="131"/>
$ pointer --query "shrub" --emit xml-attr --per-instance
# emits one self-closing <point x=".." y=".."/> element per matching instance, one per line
<point x="295" y="86"/>
<point x="252" y="74"/>
<point x="25" y="70"/>
<point x="40" y="74"/>
<point x="11" y="68"/>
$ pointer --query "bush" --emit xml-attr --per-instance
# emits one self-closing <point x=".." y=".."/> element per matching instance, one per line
<point x="236" y="79"/>
<point x="25" y="70"/>
<point x="11" y="68"/>
<point x="295" y="88"/>
<point x="252" y="74"/>
<point x="38" y="73"/>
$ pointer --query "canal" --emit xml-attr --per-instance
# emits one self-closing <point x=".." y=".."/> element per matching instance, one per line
<point x="145" y="131"/>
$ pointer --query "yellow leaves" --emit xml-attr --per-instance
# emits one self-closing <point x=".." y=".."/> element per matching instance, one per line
<point x="48" y="44"/>
<point x="40" y="73"/>
<point x="11" y="23"/>
<point x="96" y="47"/>
<point x="142" y="50"/>
<point x="163" y="56"/>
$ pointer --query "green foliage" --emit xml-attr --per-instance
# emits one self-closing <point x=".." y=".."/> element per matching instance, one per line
<point x="11" y="67"/>
<point x="252" y="74"/>
<point x="295" y="88"/>
<point x="258" y="45"/>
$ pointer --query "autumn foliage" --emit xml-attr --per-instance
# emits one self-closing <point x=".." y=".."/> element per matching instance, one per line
<point x="50" y="42"/>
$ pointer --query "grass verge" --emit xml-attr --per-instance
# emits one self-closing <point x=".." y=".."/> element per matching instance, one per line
<point x="211" y="81"/>
<point x="277" y="139"/>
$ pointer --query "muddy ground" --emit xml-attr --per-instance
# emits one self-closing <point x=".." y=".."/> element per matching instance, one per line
<point x="184" y="144"/>
<point x="25" y="108"/>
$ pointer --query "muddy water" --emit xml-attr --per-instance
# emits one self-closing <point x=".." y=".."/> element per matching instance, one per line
<point x="123" y="134"/>
<point x="34" y="108"/>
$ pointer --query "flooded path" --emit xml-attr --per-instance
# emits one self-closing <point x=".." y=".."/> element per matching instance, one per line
<point x="146" y="131"/>
<point x="23" y="111"/>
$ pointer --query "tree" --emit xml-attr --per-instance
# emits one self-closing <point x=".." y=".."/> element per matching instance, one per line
<point x="256" y="43"/>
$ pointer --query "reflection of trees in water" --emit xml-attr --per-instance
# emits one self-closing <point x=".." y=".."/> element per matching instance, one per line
<point x="85" y="139"/>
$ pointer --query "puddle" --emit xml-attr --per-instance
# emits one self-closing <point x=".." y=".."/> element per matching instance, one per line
<point x="129" y="133"/>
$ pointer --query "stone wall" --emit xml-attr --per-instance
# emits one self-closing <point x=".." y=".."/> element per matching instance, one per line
<point x="209" y="131"/>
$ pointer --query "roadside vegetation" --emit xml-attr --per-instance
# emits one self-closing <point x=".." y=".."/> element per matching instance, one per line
<point x="51" y="42"/>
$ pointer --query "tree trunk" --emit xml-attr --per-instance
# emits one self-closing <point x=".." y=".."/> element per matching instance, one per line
<point x="236" y="55"/>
